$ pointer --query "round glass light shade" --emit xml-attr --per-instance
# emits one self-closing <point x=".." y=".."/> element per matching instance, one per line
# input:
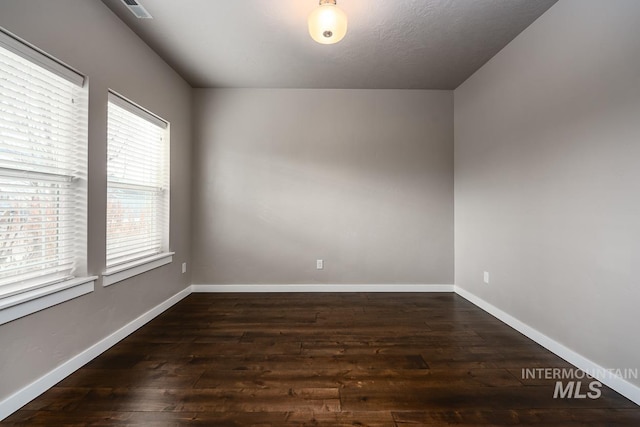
<point x="327" y="24"/>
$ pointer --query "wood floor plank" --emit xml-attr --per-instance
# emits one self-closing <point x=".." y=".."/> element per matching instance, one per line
<point x="152" y="419"/>
<point x="425" y="397"/>
<point x="380" y="360"/>
<point x="191" y="400"/>
<point x="343" y="419"/>
<point x="529" y="417"/>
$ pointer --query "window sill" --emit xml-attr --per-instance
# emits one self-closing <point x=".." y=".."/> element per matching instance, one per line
<point x="20" y="305"/>
<point x="125" y="271"/>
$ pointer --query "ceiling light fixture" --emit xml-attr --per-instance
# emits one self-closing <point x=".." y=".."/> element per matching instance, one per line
<point x="328" y="23"/>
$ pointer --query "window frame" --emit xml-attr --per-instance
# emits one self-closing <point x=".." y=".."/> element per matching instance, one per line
<point x="29" y="296"/>
<point x="123" y="270"/>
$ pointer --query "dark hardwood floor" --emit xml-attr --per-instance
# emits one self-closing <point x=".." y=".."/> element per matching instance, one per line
<point x="320" y="359"/>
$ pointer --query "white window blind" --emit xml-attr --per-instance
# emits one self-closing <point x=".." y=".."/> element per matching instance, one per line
<point x="43" y="163"/>
<point x="137" y="183"/>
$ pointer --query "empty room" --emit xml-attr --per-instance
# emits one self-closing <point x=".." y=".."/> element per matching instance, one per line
<point x="319" y="212"/>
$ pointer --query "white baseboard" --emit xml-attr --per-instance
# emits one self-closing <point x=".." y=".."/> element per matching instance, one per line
<point x="322" y="288"/>
<point x="625" y="388"/>
<point x="42" y="384"/>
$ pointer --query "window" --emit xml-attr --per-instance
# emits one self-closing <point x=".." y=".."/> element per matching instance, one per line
<point x="43" y="167"/>
<point x="137" y="186"/>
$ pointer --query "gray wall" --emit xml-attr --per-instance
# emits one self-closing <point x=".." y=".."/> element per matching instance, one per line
<point x="87" y="36"/>
<point x="360" y="178"/>
<point x="547" y="179"/>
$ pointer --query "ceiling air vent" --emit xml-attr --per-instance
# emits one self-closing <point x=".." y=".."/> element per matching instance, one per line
<point x="137" y="9"/>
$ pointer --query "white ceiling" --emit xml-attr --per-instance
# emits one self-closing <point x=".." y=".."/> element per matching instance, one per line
<point x="399" y="44"/>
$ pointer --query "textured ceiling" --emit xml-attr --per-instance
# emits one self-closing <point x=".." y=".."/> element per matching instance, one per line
<point x="399" y="44"/>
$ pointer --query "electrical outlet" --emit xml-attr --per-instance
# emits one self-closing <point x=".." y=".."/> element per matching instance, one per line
<point x="486" y="277"/>
<point x="184" y="267"/>
<point x="319" y="264"/>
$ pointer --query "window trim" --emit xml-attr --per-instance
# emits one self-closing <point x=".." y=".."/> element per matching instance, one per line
<point x="20" y="305"/>
<point x="122" y="272"/>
